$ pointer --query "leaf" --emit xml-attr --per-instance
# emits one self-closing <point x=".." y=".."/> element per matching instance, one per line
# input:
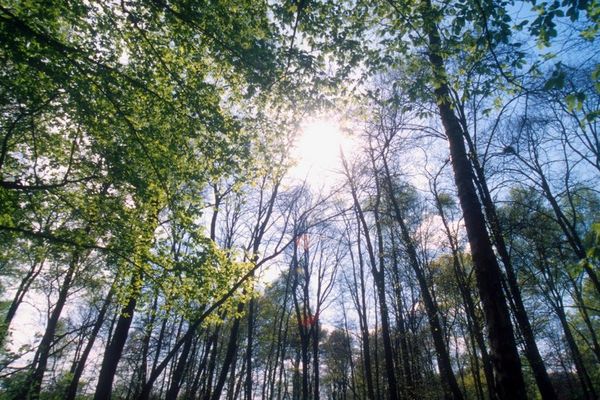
<point x="556" y="80"/>
<point x="575" y="101"/>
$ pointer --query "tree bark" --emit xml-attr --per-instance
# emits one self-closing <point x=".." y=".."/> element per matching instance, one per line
<point x="504" y="354"/>
<point x="179" y="372"/>
<point x="379" y="278"/>
<point x="43" y="352"/>
<point x="71" y="391"/>
<point x="114" y="350"/>
<point x="22" y="290"/>
<point x="363" y="323"/>
<point x="249" y="349"/>
<point x="531" y="350"/>
<point x="449" y="383"/>
<point x="473" y="322"/>
<point x="586" y="383"/>
<point x="232" y="347"/>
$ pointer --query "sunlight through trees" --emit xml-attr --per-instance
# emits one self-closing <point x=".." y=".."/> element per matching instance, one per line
<point x="299" y="200"/>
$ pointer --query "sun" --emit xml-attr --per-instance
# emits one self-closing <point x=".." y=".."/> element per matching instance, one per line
<point x="318" y="151"/>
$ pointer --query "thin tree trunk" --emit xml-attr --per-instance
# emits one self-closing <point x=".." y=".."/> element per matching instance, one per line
<point x="586" y="383"/>
<point x="315" y="350"/>
<point x="202" y="367"/>
<point x="250" y="349"/>
<point x="363" y="322"/>
<point x="40" y="360"/>
<point x="408" y="384"/>
<point x="379" y="278"/>
<point x="595" y="346"/>
<point x="71" y="391"/>
<point x="22" y="290"/>
<point x="449" y="383"/>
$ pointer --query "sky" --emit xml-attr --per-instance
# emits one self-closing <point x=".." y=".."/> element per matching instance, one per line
<point x="317" y="151"/>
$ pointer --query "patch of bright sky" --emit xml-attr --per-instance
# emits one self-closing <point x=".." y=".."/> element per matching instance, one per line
<point x="317" y="152"/>
<point x="317" y="156"/>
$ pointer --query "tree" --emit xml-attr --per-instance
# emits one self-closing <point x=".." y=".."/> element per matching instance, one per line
<point x="539" y="251"/>
<point x="145" y="207"/>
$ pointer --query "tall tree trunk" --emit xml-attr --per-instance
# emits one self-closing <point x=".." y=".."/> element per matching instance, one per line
<point x="281" y="342"/>
<point x="232" y="347"/>
<point x="474" y="325"/>
<point x="315" y="350"/>
<point x="531" y="350"/>
<point x="504" y="354"/>
<point x="363" y="322"/>
<point x="42" y="355"/>
<point x="145" y="346"/>
<point x="22" y="290"/>
<point x="402" y="332"/>
<point x="179" y="371"/>
<point x="71" y="391"/>
<point x="301" y="321"/>
<point x="408" y="385"/>
<point x="586" y="383"/>
<point x="378" y="389"/>
<point x="212" y="362"/>
<point x="583" y="311"/>
<point x="201" y="369"/>
<point x="250" y="349"/>
<point x="114" y="350"/>
<point x="449" y="383"/>
<point x="379" y="278"/>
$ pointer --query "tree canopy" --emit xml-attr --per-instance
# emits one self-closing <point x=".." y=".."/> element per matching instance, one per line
<point x="157" y="243"/>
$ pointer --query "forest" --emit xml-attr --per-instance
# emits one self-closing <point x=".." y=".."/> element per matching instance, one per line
<point x="299" y="199"/>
